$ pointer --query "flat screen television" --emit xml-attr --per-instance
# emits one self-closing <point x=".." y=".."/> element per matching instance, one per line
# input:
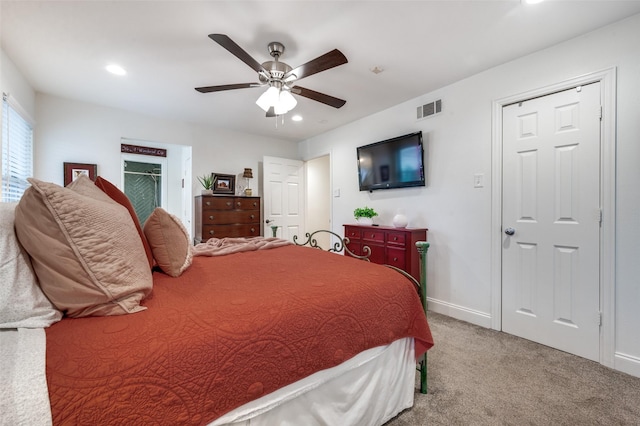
<point x="392" y="163"/>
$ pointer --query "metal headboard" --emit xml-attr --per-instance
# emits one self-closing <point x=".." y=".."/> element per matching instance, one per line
<point x="338" y="247"/>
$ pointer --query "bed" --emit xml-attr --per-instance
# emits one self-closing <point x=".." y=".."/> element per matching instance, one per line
<point x="246" y="331"/>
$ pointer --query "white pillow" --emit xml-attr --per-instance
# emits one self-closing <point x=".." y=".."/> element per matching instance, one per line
<point x="22" y="303"/>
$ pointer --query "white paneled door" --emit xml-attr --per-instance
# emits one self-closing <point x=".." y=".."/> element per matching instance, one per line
<point x="284" y="197"/>
<point x="551" y="220"/>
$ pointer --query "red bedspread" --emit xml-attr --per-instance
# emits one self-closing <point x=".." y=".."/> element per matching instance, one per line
<point x="229" y="330"/>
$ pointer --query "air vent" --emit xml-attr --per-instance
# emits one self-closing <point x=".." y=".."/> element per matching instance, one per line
<point x="429" y="109"/>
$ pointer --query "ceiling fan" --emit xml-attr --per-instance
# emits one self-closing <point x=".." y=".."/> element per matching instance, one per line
<point x="279" y="77"/>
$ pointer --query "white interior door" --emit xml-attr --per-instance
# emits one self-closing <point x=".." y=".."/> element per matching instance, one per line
<point x="283" y="197"/>
<point x="551" y="220"/>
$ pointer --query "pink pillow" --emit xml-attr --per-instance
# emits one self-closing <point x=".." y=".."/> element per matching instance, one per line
<point x="119" y="197"/>
<point x="169" y="241"/>
<point x="84" y="249"/>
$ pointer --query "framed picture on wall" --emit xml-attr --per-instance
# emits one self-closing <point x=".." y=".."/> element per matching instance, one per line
<point x="73" y="170"/>
<point x="224" y="184"/>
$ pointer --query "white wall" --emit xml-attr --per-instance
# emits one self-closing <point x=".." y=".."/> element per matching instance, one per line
<point x="459" y="142"/>
<point x="13" y="83"/>
<point x="72" y="131"/>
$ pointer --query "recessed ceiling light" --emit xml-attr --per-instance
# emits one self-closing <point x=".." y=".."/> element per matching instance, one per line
<point x="116" y="69"/>
<point x="296" y="117"/>
<point x="533" y="1"/>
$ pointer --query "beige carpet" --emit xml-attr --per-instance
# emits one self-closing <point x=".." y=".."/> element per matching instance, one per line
<point x="479" y="376"/>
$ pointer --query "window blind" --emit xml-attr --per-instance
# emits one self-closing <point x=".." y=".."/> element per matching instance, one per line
<point x="17" y="151"/>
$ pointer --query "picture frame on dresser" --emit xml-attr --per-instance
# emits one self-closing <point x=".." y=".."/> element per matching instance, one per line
<point x="224" y="184"/>
<point x="73" y="170"/>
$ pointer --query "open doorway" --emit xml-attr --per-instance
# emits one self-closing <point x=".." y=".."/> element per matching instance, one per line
<point x="165" y="180"/>
<point x="144" y="184"/>
<point x="318" y="197"/>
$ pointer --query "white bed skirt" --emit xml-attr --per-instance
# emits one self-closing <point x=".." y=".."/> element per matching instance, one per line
<point x="369" y="389"/>
<point x="24" y="397"/>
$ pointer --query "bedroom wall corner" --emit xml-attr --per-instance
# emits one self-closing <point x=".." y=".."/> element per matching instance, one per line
<point x="13" y="82"/>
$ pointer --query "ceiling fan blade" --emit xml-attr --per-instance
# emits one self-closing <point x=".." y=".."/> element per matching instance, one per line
<point x="209" y="89"/>
<point x="271" y="112"/>
<point x="224" y="41"/>
<point x="321" y="63"/>
<point x="320" y="97"/>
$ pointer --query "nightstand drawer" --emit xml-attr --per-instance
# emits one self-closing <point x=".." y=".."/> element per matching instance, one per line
<point x="396" y="257"/>
<point x="217" y="203"/>
<point x="243" y="203"/>
<point x="354" y="234"/>
<point x="373" y="234"/>
<point x="225" y="217"/>
<point x="396" y="238"/>
<point x="221" y="231"/>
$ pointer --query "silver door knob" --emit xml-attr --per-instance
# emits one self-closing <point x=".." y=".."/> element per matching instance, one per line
<point x="509" y="231"/>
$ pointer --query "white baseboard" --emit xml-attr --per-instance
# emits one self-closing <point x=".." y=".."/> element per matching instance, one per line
<point x="482" y="319"/>
<point x="627" y="364"/>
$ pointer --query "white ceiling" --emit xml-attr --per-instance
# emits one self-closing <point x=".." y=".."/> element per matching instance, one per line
<point x="62" y="49"/>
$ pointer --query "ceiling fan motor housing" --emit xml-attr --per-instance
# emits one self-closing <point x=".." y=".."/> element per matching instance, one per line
<point x="275" y="68"/>
<point x="275" y="48"/>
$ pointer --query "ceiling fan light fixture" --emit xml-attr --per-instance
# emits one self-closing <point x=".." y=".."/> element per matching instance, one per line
<point x="268" y="99"/>
<point x="282" y="101"/>
<point x="279" y="110"/>
<point x="287" y="101"/>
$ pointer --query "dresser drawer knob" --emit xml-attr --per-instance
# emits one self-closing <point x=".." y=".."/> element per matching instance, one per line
<point x="253" y="230"/>
<point x="238" y="204"/>
<point x="252" y="216"/>
<point x="211" y="217"/>
<point x="395" y="259"/>
<point x="228" y="203"/>
<point x="211" y="232"/>
<point x="255" y="204"/>
<point x="395" y="238"/>
<point x="208" y="203"/>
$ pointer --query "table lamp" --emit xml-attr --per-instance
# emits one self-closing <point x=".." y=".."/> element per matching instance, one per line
<point x="248" y="174"/>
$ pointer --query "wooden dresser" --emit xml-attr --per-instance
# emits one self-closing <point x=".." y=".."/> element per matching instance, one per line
<point x="222" y="216"/>
<point x="391" y="246"/>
